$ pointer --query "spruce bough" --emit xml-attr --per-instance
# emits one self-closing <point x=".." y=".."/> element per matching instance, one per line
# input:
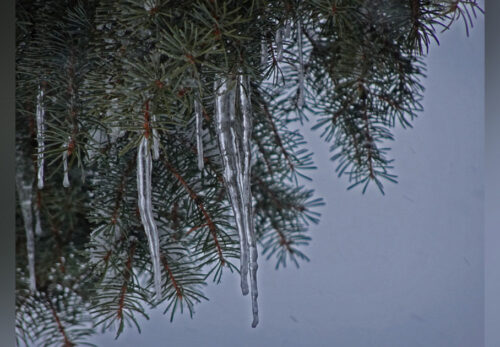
<point x="155" y="147"/>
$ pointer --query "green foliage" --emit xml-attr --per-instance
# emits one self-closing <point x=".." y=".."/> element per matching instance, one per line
<point x="105" y="66"/>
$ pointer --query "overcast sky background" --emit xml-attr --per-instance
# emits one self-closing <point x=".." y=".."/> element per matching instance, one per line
<point x="404" y="269"/>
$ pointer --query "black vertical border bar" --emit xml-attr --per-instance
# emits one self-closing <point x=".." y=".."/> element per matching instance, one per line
<point x="492" y="175"/>
<point x="7" y="192"/>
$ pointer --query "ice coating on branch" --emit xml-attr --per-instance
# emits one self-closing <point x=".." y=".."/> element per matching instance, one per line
<point x="156" y="139"/>
<point x="24" y="192"/>
<point x="234" y="133"/>
<point x="144" y="172"/>
<point x="199" y="137"/>
<point x="65" y="166"/>
<point x="232" y="168"/>
<point x="300" y="101"/>
<point x="263" y="53"/>
<point x="279" y="44"/>
<point x="246" y="110"/>
<point x="40" y="131"/>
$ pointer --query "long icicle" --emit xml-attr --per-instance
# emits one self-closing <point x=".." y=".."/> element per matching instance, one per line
<point x="40" y="130"/>
<point x="300" y="101"/>
<point x="24" y="192"/>
<point x="199" y="137"/>
<point x="245" y="103"/>
<point x="144" y="172"/>
<point x="224" y="105"/>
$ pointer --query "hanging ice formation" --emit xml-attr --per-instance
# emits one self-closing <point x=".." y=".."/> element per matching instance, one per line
<point x="300" y="100"/>
<point x="24" y="192"/>
<point x="144" y="172"/>
<point x="234" y="134"/>
<point x="279" y="44"/>
<point x="40" y="130"/>
<point x="65" y="164"/>
<point x="199" y="137"/>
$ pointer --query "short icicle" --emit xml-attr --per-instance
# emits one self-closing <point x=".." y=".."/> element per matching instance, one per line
<point x="65" y="165"/>
<point x="144" y="172"/>
<point x="224" y="105"/>
<point x="40" y="130"/>
<point x="300" y="101"/>
<point x="199" y="137"/>
<point x="246" y="110"/>
<point x="24" y="192"/>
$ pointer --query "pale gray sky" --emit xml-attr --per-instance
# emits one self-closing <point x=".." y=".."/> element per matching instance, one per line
<point x="404" y="269"/>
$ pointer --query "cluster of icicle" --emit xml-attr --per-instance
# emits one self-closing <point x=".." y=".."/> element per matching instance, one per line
<point x="284" y="34"/>
<point x="234" y="134"/>
<point x="25" y="190"/>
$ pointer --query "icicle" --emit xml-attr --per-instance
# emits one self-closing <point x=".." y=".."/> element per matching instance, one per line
<point x="288" y="29"/>
<point x="224" y="105"/>
<point x="65" y="165"/>
<point x="279" y="44"/>
<point x="144" y="171"/>
<point x="40" y="128"/>
<point x="300" y="101"/>
<point x="246" y="110"/>
<point x="234" y="135"/>
<point x="156" y="139"/>
<point x="263" y="53"/>
<point x="199" y="138"/>
<point x="24" y="192"/>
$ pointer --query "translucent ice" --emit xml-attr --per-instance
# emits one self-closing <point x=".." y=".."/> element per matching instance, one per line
<point x="40" y="129"/>
<point x="199" y="137"/>
<point x="144" y="172"/>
